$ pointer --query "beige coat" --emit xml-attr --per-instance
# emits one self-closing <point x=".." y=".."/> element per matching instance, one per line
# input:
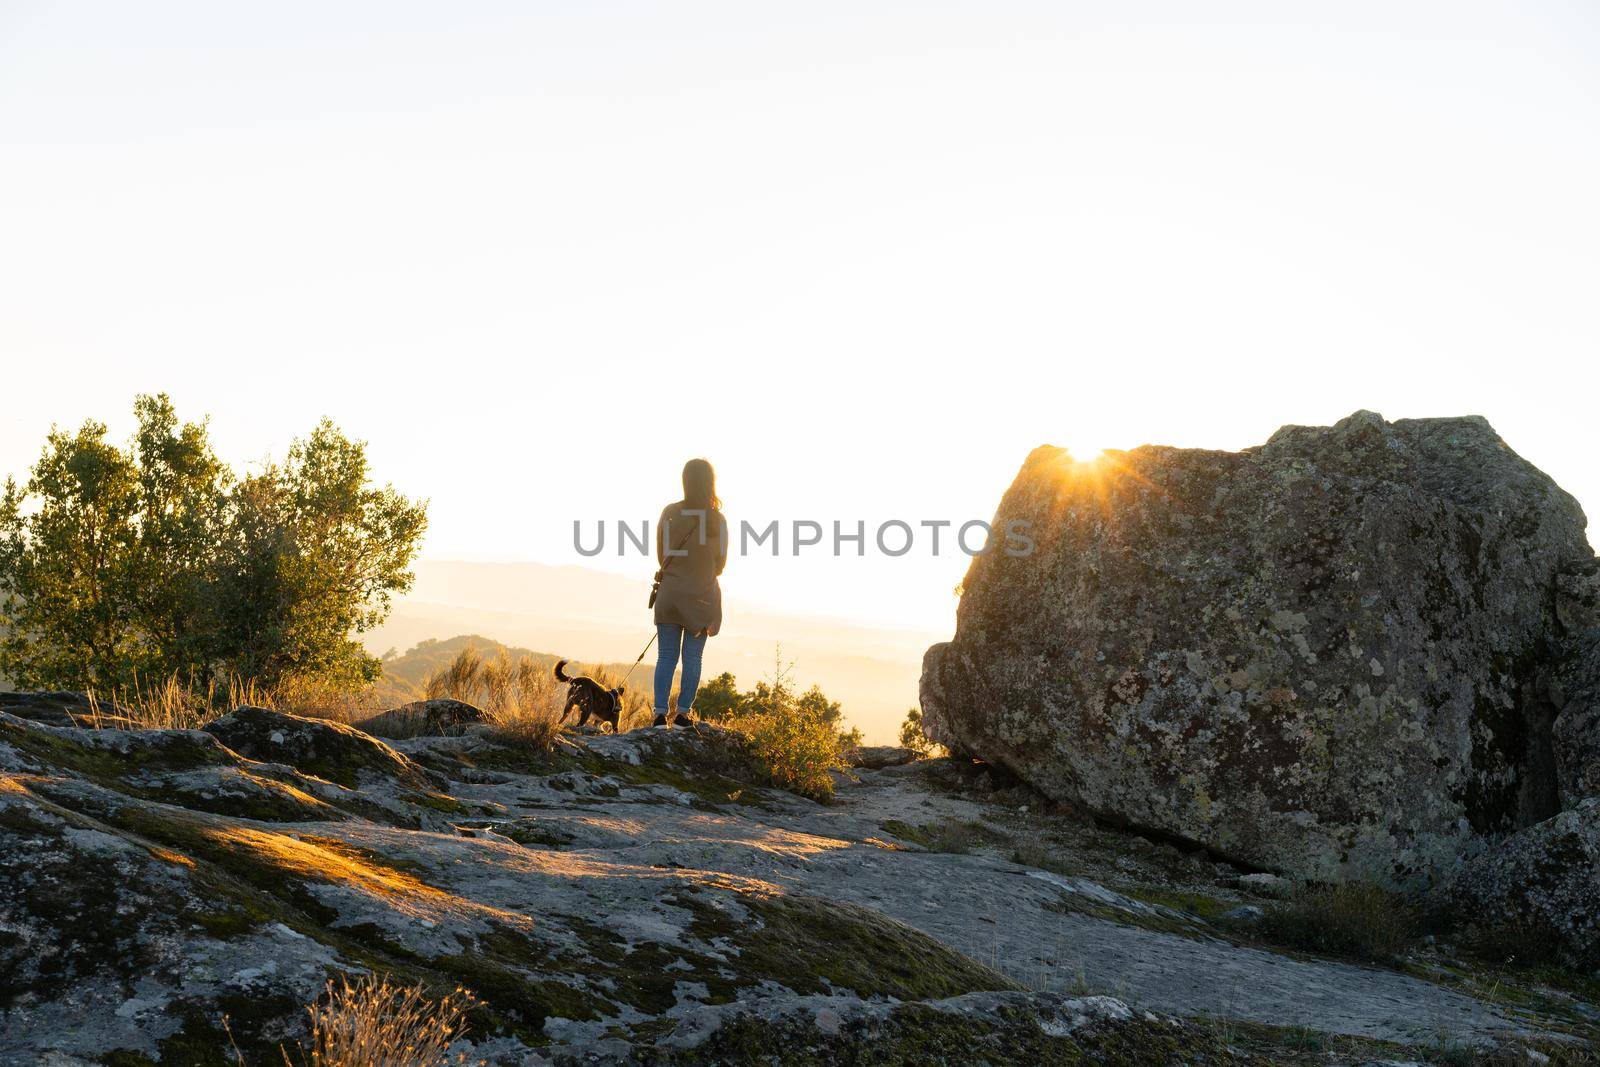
<point x="691" y="550"/>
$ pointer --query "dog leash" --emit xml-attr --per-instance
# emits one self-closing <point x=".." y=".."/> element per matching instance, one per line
<point x="636" y="662"/>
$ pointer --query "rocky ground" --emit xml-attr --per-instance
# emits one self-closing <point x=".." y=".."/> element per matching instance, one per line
<point x="637" y="899"/>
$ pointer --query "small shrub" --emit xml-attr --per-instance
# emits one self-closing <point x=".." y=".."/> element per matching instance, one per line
<point x="798" y="752"/>
<point x="795" y="740"/>
<point x="719" y="700"/>
<point x="1351" y="919"/>
<point x="372" y="1023"/>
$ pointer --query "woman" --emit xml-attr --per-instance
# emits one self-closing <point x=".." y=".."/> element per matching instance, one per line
<point x="691" y="550"/>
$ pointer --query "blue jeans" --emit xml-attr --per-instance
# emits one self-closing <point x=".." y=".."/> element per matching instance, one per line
<point x="669" y="639"/>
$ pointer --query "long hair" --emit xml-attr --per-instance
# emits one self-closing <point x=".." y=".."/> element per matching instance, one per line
<point x="700" y="486"/>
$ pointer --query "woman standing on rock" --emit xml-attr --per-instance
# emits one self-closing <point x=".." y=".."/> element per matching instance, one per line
<point x="691" y="550"/>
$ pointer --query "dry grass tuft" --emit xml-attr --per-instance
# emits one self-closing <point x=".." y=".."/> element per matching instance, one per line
<point x="313" y="699"/>
<point x="176" y="705"/>
<point x="460" y="679"/>
<point x="168" y="705"/>
<point x="520" y="698"/>
<point x="373" y="1023"/>
<point x="1350" y="919"/>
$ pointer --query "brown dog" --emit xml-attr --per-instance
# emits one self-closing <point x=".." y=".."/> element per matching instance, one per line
<point x="592" y="699"/>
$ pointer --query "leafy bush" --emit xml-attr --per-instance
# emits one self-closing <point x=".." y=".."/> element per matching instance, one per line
<point x="719" y="699"/>
<point x="155" y="561"/>
<point x="797" y="750"/>
<point x="1350" y="919"/>
<point x="795" y="739"/>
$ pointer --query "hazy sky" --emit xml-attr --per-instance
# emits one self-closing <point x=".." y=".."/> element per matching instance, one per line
<point x="864" y="256"/>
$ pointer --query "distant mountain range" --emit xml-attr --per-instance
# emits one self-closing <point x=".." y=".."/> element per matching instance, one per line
<point x="596" y="617"/>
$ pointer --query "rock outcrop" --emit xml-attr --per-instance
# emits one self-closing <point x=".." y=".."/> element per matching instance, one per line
<point x="619" y="900"/>
<point x="1543" y="884"/>
<point x="437" y="717"/>
<point x="329" y="750"/>
<point x="1576" y="692"/>
<point x="54" y="708"/>
<point x="1327" y="656"/>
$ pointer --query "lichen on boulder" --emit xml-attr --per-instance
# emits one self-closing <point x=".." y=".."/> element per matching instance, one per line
<point x="1543" y="882"/>
<point x="1322" y="656"/>
<point x="1576" y="692"/>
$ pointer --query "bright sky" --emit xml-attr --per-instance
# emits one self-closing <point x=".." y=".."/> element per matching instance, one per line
<point x="864" y="256"/>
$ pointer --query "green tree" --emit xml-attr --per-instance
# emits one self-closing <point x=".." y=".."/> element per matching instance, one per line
<point x="68" y="540"/>
<point x="314" y="555"/>
<point x="154" y="560"/>
<point x="182" y="514"/>
<point x="719" y="699"/>
<point x="911" y="733"/>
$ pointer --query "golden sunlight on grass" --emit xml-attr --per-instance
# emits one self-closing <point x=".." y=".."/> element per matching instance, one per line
<point x="373" y="1022"/>
<point x="323" y="860"/>
<point x="520" y="698"/>
<point x="337" y="862"/>
<point x="171" y="704"/>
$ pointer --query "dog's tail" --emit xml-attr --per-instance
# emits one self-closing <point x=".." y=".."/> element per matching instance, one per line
<point x="561" y="676"/>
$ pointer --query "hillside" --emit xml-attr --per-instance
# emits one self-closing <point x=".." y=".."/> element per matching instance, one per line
<point x="405" y="676"/>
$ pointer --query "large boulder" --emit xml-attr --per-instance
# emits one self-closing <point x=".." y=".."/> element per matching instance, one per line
<point x="1328" y="656"/>
<point x="327" y="749"/>
<point x="1542" y="883"/>
<point x="1576" y="693"/>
